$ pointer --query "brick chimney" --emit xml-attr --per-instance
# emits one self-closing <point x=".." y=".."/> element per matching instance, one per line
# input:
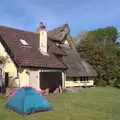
<point x="42" y="38"/>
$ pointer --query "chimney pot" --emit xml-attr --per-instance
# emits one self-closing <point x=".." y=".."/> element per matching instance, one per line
<point x="42" y="26"/>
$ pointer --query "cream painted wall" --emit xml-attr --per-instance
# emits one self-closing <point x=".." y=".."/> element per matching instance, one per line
<point x="79" y="83"/>
<point x="9" y="66"/>
<point x="71" y="83"/>
<point x="12" y="70"/>
<point x="34" y="79"/>
<point x="24" y="78"/>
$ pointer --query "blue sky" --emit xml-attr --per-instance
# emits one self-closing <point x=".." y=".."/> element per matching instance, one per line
<point x="81" y="15"/>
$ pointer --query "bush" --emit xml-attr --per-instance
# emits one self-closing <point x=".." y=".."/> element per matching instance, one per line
<point x="117" y="83"/>
<point x="101" y="82"/>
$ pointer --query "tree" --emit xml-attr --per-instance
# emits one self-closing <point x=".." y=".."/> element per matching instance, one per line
<point x="99" y="49"/>
<point x="101" y="35"/>
<point x="3" y="59"/>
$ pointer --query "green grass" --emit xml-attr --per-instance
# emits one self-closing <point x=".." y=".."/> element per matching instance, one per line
<point x="88" y="104"/>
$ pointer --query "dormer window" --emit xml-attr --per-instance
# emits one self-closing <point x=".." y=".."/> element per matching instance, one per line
<point x="66" y="42"/>
<point x="24" y="42"/>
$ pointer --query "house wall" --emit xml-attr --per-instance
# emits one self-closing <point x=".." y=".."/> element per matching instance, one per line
<point x="34" y="79"/>
<point x="12" y="70"/>
<point x="71" y="83"/>
<point x="25" y="79"/>
<point x="9" y="66"/>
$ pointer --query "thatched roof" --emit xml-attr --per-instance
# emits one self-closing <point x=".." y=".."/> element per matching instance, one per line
<point x="31" y="56"/>
<point x="59" y="34"/>
<point x="77" y="67"/>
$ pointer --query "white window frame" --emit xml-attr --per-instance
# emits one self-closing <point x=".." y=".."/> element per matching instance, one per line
<point x="24" y="42"/>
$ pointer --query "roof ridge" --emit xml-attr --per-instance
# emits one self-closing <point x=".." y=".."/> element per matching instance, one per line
<point x="7" y="27"/>
<point x="22" y="30"/>
<point x="61" y="26"/>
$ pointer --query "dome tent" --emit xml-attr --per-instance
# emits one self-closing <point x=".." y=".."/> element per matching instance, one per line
<point x="27" y="100"/>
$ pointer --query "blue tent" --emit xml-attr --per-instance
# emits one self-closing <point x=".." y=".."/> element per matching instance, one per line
<point x="27" y="100"/>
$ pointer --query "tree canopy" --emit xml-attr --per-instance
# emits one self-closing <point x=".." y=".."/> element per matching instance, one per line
<point x="107" y="35"/>
<point x="99" y="48"/>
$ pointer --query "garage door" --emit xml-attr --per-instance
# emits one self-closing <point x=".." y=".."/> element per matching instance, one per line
<point x="50" y="79"/>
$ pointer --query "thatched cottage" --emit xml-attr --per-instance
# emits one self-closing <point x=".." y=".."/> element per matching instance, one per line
<point x="42" y="59"/>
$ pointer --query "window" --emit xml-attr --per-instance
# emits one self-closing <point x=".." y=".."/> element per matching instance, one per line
<point x="74" y="79"/>
<point x="69" y="78"/>
<point x="24" y="42"/>
<point x="84" y="79"/>
<point x="81" y="79"/>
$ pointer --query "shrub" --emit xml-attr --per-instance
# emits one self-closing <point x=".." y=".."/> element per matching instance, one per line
<point x="117" y="83"/>
<point x="100" y="83"/>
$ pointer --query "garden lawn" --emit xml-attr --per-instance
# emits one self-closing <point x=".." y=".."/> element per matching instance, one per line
<point x="88" y="104"/>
